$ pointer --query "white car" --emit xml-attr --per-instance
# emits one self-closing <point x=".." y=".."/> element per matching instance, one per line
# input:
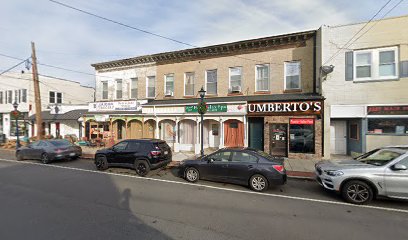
<point x="381" y="172"/>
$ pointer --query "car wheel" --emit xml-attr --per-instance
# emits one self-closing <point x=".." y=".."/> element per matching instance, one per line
<point x="357" y="192"/>
<point x="142" y="168"/>
<point x="74" y="158"/>
<point x="258" y="183"/>
<point x="19" y="156"/>
<point x="45" y="158"/>
<point x="192" y="174"/>
<point x="101" y="163"/>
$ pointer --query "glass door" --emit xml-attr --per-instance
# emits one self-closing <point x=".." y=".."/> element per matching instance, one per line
<point x="278" y="141"/>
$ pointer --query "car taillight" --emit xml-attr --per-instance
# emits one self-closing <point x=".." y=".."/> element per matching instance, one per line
<point x="279" y="168"/>
<point x="155" y="153"/>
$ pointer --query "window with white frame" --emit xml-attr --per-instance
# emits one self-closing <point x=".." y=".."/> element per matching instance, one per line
<point x="24" y="95"/>
<point x="1" y="97"/>
<point x="376" y="64"/>
<point x="133" y="88"/>
<point x="104" y="90"/>
<point x="9" y="96"/>
<point x="151" y="87"/>
<point x="211" y="76"/>
<point x="235" y="78"/>
<point x="119" y="89"/>
<point x="262" y="77"/>
<point x="292" y="75"/>
<point x="169" y="84"/>
<point x="189" y="83"/>
<point x="55" y="97"/>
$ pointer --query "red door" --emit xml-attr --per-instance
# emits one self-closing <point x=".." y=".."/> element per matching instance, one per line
<point x="233" y="133"/>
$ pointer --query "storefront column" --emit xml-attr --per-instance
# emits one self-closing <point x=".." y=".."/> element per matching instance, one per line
<point x="126" y="129"/>
<point x="245" y="132"/>
<point x="176" y="143"/>
<point x="157" y="129"/>
<point x="221" y="133"/>
<point x="197" y="146"/>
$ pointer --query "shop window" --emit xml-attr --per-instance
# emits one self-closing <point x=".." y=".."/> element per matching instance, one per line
<point x="301" y="135"/>
<point x="354" y="131"/>
<point x="388" y="125"/>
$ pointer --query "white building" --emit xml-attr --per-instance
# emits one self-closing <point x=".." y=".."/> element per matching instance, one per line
<point x="18" y="87"/>
<point x="366" y="102"/>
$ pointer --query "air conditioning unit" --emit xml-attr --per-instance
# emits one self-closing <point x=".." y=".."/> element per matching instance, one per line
<point x="169" y="93"/>
<point x="236" y="89"/>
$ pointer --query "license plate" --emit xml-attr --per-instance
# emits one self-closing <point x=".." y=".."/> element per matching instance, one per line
<point x="72" y="154"/>
<point x="166" y="152"/>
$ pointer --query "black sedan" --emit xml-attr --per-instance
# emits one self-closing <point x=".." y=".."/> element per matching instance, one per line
<point x="243" y="166"/>
<point x="49" y="150"/>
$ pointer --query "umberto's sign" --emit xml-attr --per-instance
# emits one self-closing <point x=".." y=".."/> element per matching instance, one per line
<point x="280" y="108"/>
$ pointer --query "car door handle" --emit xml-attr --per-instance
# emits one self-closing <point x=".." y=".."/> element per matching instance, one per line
<point x="225" y="166"/>
<point x="250" y="166"/>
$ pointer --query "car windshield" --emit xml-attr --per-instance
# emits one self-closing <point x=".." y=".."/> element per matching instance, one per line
<point x="380" y="157"/>
<point x="60" y="143"/>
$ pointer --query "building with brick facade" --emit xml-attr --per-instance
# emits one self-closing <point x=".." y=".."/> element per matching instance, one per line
<point x="275" y="74"/>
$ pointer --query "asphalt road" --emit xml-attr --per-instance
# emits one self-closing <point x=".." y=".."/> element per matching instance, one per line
<point x="69" y="200"/>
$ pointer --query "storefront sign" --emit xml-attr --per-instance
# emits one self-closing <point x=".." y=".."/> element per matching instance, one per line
<point x="116" y="106"/>
<point x="302" y="121"/>
<point x="387" y="110"/>
<point x="211" y="108"/>
<point x="278" y="108"/>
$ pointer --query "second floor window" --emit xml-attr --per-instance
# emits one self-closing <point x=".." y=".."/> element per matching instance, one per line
<point x="9" y="96"/>
<point x="189" y="84"/>
<point x="134" y="87"/>
<point x="1" y="97"/>
<point x="24" y="95"/>
<point x="55" y="97"/>
<point x="104" y="90"/>
<point x="292" y="75"/>
<point x="151" y="87"/>
<point x="262" y="78"/>
<point x="119" y="89"/>
<point x="169" y="84"/>
<point x="211" y="81"/>
<point x="235" y="80"/>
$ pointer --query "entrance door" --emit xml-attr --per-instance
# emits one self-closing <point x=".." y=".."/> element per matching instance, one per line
<point x="256" y="133"/>
<point x="278" y="141"/>
<point x="338" y="137"/>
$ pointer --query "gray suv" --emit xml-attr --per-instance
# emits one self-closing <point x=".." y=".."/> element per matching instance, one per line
<point x="381" y="172"/>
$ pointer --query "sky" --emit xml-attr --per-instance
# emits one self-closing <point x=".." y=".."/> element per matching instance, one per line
<point x="72" y="40"/>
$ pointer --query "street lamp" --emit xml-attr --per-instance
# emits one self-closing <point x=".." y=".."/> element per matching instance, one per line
<point x="16" y="115"/>
<point x="202" y="109"/>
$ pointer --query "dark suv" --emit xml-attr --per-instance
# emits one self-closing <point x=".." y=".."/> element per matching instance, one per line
<point x="139" y="154"/>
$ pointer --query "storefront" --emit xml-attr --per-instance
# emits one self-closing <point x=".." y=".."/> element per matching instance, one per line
<point x="287" y="128"/>
<point x="178" y="123"/>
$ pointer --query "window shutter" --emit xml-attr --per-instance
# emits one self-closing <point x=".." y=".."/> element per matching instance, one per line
<point x="349" y="66"/>
<point x="404" y="69"/>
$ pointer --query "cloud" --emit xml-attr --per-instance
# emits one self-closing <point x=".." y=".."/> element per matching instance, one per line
<point x="73" y="40"/>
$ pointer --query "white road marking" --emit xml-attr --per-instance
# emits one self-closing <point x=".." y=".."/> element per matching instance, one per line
<point x="213" y="187"/>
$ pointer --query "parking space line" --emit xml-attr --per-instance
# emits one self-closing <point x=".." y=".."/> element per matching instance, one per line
<point x="213" y="187"/>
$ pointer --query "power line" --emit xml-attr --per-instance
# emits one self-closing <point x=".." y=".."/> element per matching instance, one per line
<point x="122" y="24"/>
<point x="346" y="44"/>
<point x="18" y="64"/>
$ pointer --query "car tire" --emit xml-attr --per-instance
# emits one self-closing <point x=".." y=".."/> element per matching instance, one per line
<point x="258" y="183"/>
<point x="101" y="163"/>
<point x="45" y="158"/>
<point x="192" y="174"/>
<point x="142" y="168"/>
<point x="357" y="192"/>
<point x="74" y="158"/>
<point x="19" y="157"/>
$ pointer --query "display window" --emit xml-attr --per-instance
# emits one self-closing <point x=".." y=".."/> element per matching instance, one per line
<point x="388" y="126"/>
<point x="301" y="135"/>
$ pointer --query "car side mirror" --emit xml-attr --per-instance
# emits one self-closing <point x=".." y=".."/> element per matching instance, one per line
<point x="210" y="160"/>
<point x="399" y="167"/>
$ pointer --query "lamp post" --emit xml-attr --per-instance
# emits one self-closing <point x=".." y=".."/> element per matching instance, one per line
<point x="202" y="111"/>
<point x="16" y="115"/>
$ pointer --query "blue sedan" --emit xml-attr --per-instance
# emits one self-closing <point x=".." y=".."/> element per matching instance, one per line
<point x="243" y="166"/>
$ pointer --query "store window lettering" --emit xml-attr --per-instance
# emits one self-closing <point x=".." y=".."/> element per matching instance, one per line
<point x="285" y="107"/>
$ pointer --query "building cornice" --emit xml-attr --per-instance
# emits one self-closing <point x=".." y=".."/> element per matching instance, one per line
<point x="227" y="49"/>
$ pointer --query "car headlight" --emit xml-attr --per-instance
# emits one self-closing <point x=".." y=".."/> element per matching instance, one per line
<point x="182" y="162"/>
<point x="334" y="173"/>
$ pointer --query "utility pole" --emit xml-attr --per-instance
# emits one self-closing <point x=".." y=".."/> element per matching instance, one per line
<point x="37" y="95"/>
